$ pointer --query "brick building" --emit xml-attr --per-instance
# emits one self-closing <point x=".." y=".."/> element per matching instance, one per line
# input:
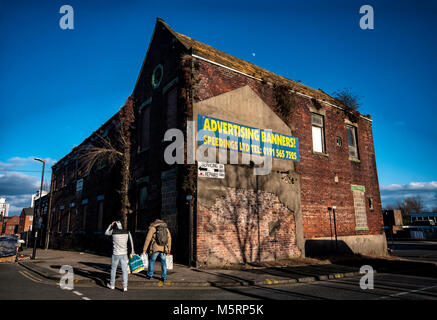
<point x="323" y="182"/>
<point x="26" y="220"/>
<point x="11" y="225"/>
<point x="4" y="207"/>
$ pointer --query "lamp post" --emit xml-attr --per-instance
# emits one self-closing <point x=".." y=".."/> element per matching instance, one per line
<point x="39" y="209"/>
<point x="1" y="224"/>
<point x="49" y="214"/>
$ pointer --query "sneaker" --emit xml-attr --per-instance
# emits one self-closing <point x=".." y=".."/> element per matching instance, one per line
<point x="124" y="289"/>
<point x="148" y="277"/>
<point x="110" y="287"/>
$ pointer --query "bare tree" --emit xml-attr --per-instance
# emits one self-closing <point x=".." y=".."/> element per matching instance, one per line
<point x="407" y="206"/>
<point x="348" y="98"/>
<point x="114" y="148"/>
<point x="46" y="186"/>
<point x="413" y="204"/>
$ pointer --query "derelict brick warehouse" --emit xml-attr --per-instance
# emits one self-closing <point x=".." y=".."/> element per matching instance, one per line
<point x="323" y="181"/>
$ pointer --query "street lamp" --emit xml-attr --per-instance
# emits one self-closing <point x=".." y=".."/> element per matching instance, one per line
<point x="40" y="203"/>
<point x="1" y="223"/>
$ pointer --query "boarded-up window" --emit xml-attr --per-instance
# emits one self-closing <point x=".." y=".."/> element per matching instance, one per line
<point x="59" y="220"/>
<point x="84" y="214"/>
<point x="360" y="207"/>
<point x="100" y="217"/>
<point x="142" y="208"/>
<point x="69" y="220"/>
<point x="64" y="220"/>
<point x="143" y="197"/>
<point x="53" y="219"/>
<point x="171" y="108"/>
<point x="145" y="128"/>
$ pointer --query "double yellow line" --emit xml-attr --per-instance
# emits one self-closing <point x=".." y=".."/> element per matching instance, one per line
<point x="30" y="276"/>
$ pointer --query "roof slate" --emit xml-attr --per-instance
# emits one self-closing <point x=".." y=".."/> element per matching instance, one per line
<point x="28" y="211"/>
<point x="220" y="57"/>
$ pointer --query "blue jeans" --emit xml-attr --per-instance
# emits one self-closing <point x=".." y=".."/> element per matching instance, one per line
<point x="123" y="261"/>
<point x="152" y="260"/>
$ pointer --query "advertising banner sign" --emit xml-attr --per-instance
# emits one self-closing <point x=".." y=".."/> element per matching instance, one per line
<point x="232" y="136"/>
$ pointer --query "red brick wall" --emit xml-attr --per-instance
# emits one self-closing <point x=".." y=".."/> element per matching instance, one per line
<point x="245" y="226"/>
<point x="11" y="225"/>
<point x="318" y="188"/>
<point x="25" y="223"/>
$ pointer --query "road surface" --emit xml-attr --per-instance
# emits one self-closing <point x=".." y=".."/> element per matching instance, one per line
<point x="20" y="283"/>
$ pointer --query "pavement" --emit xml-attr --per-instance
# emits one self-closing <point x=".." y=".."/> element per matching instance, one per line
<point x="92" y="269"/>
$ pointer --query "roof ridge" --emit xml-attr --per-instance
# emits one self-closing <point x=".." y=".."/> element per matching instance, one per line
<point x="268" y="75"/>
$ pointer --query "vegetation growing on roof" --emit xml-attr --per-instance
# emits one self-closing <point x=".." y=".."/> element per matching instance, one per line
<point x="286" y="102"/>
<point x="348" y="98"/>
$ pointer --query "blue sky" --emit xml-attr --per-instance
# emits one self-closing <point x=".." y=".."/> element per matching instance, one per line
<point x="57" y="86"/>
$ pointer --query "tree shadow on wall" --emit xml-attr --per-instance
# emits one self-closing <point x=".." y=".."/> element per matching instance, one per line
<point x="240" y="215"/>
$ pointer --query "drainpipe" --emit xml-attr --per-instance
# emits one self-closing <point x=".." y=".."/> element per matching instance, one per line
<point x="335" y="227"/>
<point x="190" y="212"/>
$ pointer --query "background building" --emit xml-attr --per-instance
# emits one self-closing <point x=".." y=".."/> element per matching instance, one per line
<point x="322" y="190"/>
<point x="11" y="225"/>
<point x="26" y="220"/>
<point x="36" y="196"/>
<point x="4" y="207"/>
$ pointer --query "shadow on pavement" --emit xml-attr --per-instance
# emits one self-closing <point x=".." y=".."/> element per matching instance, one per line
<point x="415" y="268"/>
<point x="100" y="278"/>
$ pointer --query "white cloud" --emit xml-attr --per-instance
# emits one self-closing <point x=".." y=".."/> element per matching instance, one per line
<point x="427" y="191"/>
<point x="17" y="186"/>
<point x="21" y="162"/>
<point x="17" y="203"/>
<point x="417" y="186"/>
<point x="17" y="183"/>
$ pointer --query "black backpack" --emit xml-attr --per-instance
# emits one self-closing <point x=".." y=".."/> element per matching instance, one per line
<point x="161" y="235"/>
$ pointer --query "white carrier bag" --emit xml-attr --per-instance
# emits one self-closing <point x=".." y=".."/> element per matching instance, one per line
<point x="145" y="259"/>
<point x="169" y="260"/>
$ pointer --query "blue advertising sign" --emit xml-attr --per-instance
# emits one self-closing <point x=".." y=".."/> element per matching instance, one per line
<point x="232" y="136"/>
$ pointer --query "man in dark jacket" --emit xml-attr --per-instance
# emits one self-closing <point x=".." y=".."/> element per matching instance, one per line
<point x="157" y="246"/>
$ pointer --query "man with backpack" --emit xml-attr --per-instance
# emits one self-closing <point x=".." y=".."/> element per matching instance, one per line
<point x="158" y="243"/>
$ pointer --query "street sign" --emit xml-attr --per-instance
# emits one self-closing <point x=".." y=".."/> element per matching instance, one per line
<point x="211" y="170"/>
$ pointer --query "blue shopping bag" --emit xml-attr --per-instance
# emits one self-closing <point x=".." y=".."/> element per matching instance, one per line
<point x="135" y="263"/>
